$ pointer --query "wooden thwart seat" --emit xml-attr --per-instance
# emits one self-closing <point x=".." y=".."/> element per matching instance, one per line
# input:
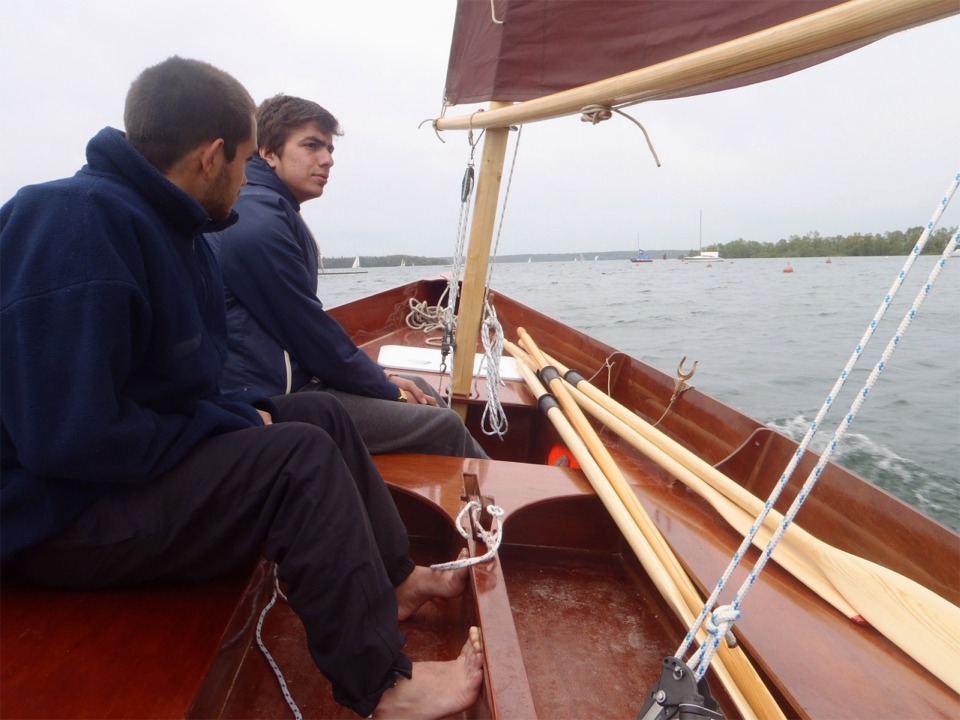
<point x="150" y="652"/>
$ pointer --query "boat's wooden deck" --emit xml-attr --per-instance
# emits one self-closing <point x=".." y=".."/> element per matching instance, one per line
<point x="568" y="620"/>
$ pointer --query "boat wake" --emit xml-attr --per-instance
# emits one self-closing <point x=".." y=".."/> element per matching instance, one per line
<point x="935" y="494"/>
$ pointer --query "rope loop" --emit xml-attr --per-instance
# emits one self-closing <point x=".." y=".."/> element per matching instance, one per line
<point x="494" y="420"/>
<point x="491" y="538"/>
<point x="594" y="114"/>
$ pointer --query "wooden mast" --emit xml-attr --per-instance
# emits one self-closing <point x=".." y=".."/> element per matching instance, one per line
<point x="478" y="260"/>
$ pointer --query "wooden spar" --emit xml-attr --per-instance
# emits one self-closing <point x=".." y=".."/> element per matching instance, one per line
<point x="742" y="673"/>
<point x="477" y="262"/>
<point x="920" y="622"/>
<point x="635" y="539"/>
<point x="852" y="22"/>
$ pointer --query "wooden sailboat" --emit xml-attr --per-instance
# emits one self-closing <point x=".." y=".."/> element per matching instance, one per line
<point x="575" y="624"/>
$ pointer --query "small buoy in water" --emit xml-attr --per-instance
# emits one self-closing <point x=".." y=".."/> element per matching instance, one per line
<point x="788" y="269"/>
<point x="829" y="261"/>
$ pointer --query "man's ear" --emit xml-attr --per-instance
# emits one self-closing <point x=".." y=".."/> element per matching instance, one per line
<point x="270" y="156"/>
<point x="211" y="157"/>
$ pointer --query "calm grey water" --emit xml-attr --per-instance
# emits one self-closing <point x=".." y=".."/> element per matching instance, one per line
<point x="772" y="344"/>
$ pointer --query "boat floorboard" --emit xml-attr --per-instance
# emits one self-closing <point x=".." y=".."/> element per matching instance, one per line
<point x="570" y="620"/>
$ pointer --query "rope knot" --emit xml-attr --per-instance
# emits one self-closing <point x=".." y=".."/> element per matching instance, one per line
<point x="491" y="538"/>
<point x="594" y="114"/>
<point x="721" y="620"/>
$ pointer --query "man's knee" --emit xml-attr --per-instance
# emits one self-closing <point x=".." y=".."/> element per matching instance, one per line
<point x="315" y="408"/>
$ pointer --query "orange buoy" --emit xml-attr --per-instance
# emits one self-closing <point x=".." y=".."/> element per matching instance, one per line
<point x="788" y="269"/>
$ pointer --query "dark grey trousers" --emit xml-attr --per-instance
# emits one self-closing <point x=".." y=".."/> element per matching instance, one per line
<point x="304" y="493"/>
<point x="389" y="426"/>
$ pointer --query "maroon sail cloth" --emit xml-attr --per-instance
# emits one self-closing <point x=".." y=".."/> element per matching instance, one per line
<point x="545" y="46"/>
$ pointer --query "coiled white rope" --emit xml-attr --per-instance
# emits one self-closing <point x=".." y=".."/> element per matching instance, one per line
<point x="494" y="419"/>
<point x="428" y="318"/>
<point x="491" y="538"/>
<point x="725" y="616"/>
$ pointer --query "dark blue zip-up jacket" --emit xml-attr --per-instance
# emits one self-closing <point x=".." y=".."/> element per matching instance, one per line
<point x="269" y="263"/>
<point x="112" y="329"/>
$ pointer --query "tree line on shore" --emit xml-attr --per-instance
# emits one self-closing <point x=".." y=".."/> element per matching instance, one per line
<point x="813" y="244"/>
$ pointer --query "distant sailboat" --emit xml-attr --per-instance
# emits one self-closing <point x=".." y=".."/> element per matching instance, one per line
<point x="354" y="269"/>
<point x="403" y="262"/>
<point x="641" y="256"/>
<point x="711" y="256"/>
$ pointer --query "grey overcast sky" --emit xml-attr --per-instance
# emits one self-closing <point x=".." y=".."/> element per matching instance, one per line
<point x="866" y="143"/>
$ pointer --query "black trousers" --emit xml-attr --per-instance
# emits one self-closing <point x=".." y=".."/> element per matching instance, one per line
<point x="305" y="494"/>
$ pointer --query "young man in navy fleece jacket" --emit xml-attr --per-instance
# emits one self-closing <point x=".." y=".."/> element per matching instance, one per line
<point x="122" y="462"/>
<point x="280" y="339"/>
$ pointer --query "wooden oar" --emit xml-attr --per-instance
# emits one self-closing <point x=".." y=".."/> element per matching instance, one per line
<point x="632" y="534"/>
<point x="787" y="553"/>
<point x="921" y="623"/>
<point x="755" y="698"/>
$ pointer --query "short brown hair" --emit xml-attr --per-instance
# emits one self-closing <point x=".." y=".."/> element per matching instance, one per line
<point x="280" y="115"/>
<point x="178" y="104"/>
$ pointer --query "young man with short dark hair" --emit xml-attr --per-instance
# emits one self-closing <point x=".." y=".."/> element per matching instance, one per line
<point x="123" y="463"/>
<point x="280" y="339"/>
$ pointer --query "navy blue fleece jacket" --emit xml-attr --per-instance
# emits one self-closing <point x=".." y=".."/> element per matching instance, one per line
<point x="113" y="339"/>
<point x="269" y="263"/>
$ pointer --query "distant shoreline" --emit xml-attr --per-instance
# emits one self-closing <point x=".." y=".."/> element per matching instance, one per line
<point x="896" y="242"/>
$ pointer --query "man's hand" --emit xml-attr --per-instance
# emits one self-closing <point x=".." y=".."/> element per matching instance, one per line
<point x="267" y="417"/>
<point x="414" y="393"/>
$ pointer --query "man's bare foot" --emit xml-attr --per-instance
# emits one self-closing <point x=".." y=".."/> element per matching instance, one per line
<point x="437" y="689"/>
<point x="424" y="584"/>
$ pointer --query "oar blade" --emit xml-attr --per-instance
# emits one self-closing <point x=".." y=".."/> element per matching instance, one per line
<point x="916" y="619"/>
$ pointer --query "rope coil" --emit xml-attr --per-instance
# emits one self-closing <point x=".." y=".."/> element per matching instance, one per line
<point x="491" y="538"/>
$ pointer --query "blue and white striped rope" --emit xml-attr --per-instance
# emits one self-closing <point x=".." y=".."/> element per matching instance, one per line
<point x="291" y="703"/>
<point x="701" y="660"/>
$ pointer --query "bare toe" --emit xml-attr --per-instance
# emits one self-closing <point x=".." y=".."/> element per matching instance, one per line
<point x="437" y="689"/>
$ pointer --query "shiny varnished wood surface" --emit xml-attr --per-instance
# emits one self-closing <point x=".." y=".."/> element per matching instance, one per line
<point x="566" y="615"/>
<point x="150" y="652"/>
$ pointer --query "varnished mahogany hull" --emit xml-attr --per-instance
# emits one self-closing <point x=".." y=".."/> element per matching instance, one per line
<point x="572" y="626"/>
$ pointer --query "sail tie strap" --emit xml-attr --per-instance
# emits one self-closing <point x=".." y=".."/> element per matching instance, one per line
<point x="701" y="661"/>
<point x="491" y="538"/>
<point x="594" y="114"/>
